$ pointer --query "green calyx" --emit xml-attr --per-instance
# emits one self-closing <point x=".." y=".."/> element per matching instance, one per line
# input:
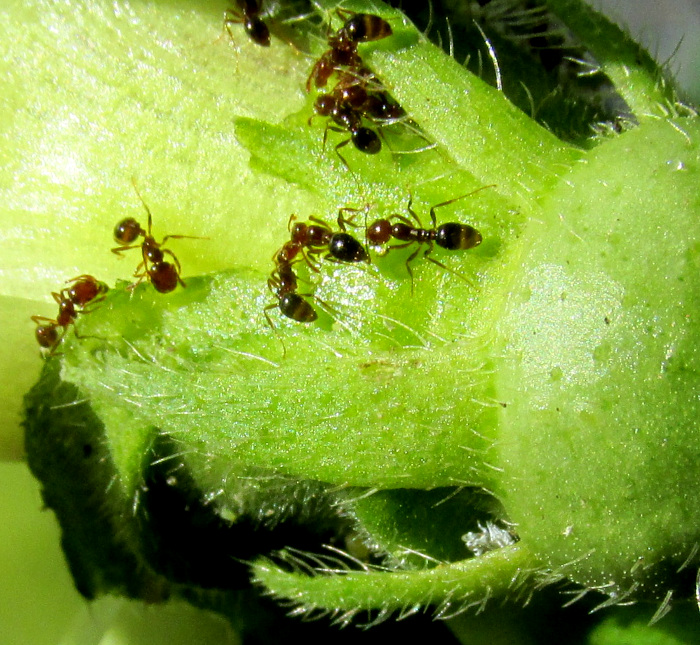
<point x="541" y="385"/>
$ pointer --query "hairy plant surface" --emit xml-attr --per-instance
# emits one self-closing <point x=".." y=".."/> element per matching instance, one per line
<point x="486" y="425"/>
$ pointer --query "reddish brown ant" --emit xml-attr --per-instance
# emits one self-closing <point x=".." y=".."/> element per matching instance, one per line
<point x="452" y="236"/>
<point x="309" y="240"/>
<point x="163" y="275"/>
<point x="247" y="13"/>
<point x="47" y="335"/>
<point x="84" y="290"/>
<point x="359" y="28"/>
<point x="318" y="237"/>
<point x="353" y="98"/>
<point x="350" y="120"/>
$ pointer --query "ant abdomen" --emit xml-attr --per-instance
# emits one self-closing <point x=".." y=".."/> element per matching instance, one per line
<point x="367" y="141"/>
<point x="454" y="236"/>
<point x="365" y="27"/>
<point x="86" y="289"/>
<point x="247" y="13"/>
<point x="295" y="307"/>
<point x="345" y="248"/>
<point x="47" y="336"/>
<point x="164" y="277"/>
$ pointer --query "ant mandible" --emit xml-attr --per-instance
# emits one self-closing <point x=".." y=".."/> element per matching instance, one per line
<point x="163" y="275"/>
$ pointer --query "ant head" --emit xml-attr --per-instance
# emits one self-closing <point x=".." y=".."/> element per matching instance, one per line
<point x="47" y="336"/>
<point x="325" y="104"/>
<point x="127" y="231"/>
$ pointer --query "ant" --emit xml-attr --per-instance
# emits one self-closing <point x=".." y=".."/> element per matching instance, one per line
<point x="309" y="240"/>
<point x="351" y="99"/>
<point x="350" y="120"/>
<point x="318" y="237"/>
<point x="164" y="276"/>
<point x="247" y="13"/>
<point x="452" y="236"/>
<point x="347" y="106"/>
<point x="283" y="284"/>
<point x="359" y="28"/>
<point x="85" y="290"/>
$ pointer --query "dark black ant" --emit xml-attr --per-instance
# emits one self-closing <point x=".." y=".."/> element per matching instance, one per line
<point x="163" y="275"/>
<point x="452" y="236"/>
<point x="85" y="290"/>
<point x="359" y="28"/>
<point x="247" y="13"/>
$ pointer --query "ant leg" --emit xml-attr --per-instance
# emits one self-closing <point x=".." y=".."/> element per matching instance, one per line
<point x="342" y="220"/>
<point x="267" y="316"/>
<point x="345" y="14"/>
<point x="325" y="225"/>
<point x="274" y="329"/>
<point x="141" y="276"/>
<point x="312" y="74"/>
<point x="408" y="268"/>
<point x="118" y="250"/>
<point x="452" y="271"/>
<point x="231" y="18"/>
<point x="337" y="151"/>
<point x="39" y="319"/>
<point x="182" y="237"/>
<point x="59" y="340"/>
<point x="405" y="220"/>
<point x="454" y="199"/>
<point x="307" y="253"/>
<point x="175" y="260"/>
<point x="85" y="276"/>
<point x="413" y="213"/>
<point x="91" y="306"/>
<point x="59" y="297"/>
<point x="325" y="134"/>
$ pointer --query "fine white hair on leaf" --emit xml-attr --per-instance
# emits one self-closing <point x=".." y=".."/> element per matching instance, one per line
<point x="616" y="598"/>
<point x="578" y="594"/>
<point x="663" y="609"/>
<point x="489" y="537"/>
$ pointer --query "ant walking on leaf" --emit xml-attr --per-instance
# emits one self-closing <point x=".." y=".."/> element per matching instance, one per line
<point x="452" y="236"/>
<point x="163" y="275"/>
